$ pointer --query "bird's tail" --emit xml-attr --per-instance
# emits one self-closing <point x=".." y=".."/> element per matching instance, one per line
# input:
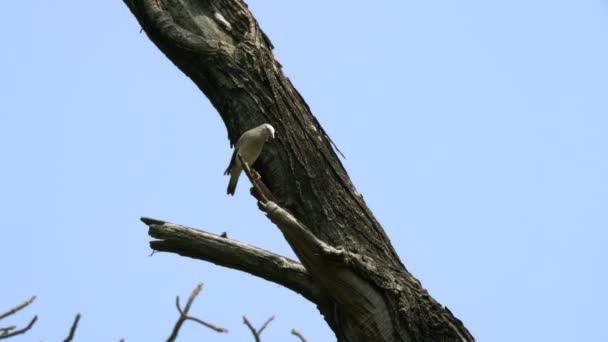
<point x="234" y="178"/>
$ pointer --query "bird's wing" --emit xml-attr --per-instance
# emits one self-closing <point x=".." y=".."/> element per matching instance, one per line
<point x="244" y="139"/>
<point x="232" y="159"/>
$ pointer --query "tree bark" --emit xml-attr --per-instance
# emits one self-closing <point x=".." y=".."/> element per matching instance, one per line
<point x="360" y="285"/>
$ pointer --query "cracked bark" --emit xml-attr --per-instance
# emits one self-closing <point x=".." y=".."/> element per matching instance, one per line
<point x="365" y="292"/>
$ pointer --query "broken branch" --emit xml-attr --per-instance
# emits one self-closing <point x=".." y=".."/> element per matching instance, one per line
<point x="233" y="254"/>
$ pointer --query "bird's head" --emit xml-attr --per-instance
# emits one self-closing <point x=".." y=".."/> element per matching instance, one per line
<point x="269" y="131"/>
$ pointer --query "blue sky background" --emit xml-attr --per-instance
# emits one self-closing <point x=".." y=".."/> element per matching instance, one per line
<point x="476" y="130"/>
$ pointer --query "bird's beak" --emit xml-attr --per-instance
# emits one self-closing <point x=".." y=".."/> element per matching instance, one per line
<point x="273" y="135"/>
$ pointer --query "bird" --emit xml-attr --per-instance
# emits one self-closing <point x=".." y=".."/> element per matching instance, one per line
<point x="249" y="146"/>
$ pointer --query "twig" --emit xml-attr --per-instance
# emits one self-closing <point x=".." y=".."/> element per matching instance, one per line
<point x="207" y="324"/>
<point x="257" y="333"/>
<point x="7" y="330"/>
<point x="253" y="331"/>
<point x="10" y="331"/>
<point x="18" y="307"/>
<point x="21" y="331"/>
<point x="298" y="334"/>
<point x="183" y="315"/>
<point x="270" y="319"/>
<point x="256" y="181"/>
<point x="73" y="328"/>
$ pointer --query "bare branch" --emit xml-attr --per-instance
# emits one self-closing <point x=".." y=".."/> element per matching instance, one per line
<point x="18" y="307"/>
<point x="253" y="331"/>
<point x="263" y="194"/>
<point x="233" y="254"/>
<point x="183" y="315"/>
<point x="270" y="319"/>
<point x="207" y="324"/>
<point x="73" y="328"/>
<point x="198" y="320"/>
<point x="257" y="333"/>
<point x="179" y="308"/>
<point x="10" y="330"/>
<point x="298" y="334"/>
<point x="7" y="330"/>
<point x="21" y="331"/>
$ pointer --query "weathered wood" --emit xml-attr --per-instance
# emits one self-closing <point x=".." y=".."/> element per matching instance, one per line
<point x="233" y="254"/>
<point x="219" y="45"/>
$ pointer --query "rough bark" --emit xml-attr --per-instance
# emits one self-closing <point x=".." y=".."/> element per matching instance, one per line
<point x="233" y="254"/>
<point x="367" y="293"/>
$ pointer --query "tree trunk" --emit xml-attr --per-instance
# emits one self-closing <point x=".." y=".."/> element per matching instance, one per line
<point x="351" y="271"/>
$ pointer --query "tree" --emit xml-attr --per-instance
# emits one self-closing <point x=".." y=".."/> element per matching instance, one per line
<point x="348" y="267"/>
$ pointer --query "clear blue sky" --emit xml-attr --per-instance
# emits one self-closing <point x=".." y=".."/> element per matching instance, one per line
<point x="477" y="132"/>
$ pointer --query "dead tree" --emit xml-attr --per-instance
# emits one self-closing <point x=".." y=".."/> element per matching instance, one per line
<point x="348" y="268"/>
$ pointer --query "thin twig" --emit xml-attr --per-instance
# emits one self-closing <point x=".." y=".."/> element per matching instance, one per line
<point x="10" y="331"/>
<point x="253" y="331"/>
<point x="183" y="315"/>
<point x="270" y="319"/>
<point x="7" y="330"/>
<point x="21" y="331"/>
<point x="73" y="328"/>
<point x="207" y="324"/>
<point x="256" y="181"/>
<point x="298" y="334"/>
<point x="18" y="307"/>
<point x="257" y="333"/>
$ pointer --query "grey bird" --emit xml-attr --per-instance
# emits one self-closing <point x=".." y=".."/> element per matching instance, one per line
<point x="249" y="146"/>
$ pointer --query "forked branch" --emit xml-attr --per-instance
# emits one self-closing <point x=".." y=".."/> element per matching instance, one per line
<point x="258" y="332"/>
<point x="12" y="330"/>
<point x="183" y="315"/>
<point x="6" y="332"/>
